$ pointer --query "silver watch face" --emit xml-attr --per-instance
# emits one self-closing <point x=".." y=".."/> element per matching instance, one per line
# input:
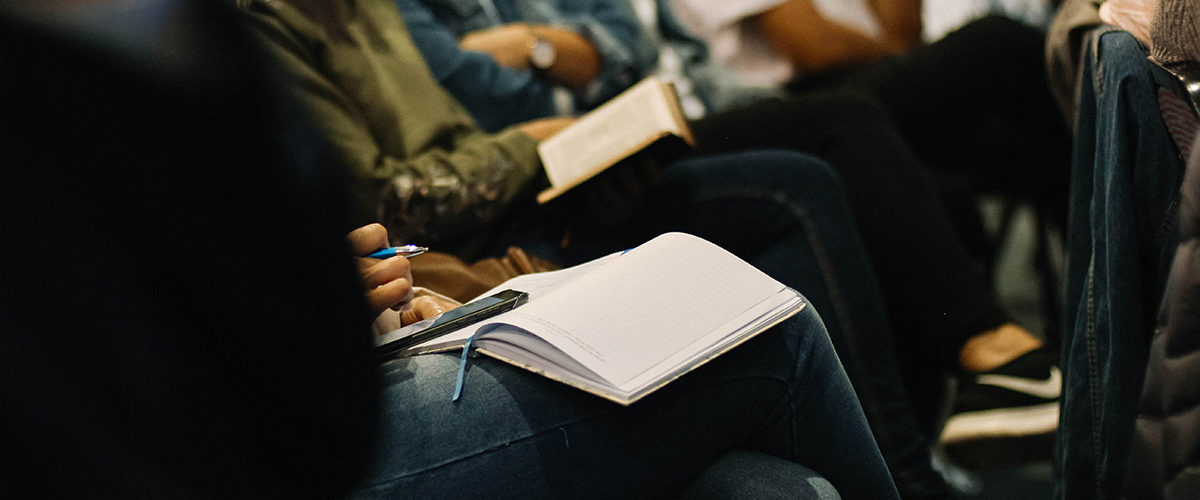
<point x="542" y="54"/>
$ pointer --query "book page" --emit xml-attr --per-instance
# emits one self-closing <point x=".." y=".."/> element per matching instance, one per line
<point x="622" y="126"/>
<point x="645" y="306"/>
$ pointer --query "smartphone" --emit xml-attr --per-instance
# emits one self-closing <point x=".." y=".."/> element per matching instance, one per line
<point x="455" y="319"/>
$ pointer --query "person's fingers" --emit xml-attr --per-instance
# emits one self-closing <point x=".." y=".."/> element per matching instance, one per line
<point x="394" y="293"/>
<point x="367" y="239"/>
<point x="382" y="271"/>
<point x="422" y="308"/>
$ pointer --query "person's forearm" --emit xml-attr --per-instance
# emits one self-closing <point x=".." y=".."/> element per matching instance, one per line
<point x="799" y="32"/>
<point x="900" y="20"/>
<point x="577" y="63"/>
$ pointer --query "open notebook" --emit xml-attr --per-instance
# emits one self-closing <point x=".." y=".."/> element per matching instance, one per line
<point x="624" y="325"/>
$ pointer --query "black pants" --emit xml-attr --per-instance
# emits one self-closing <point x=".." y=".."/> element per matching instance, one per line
<point x="972" y="110"/>
<point x="935" y="292"/>
<point x="975" y="106"/>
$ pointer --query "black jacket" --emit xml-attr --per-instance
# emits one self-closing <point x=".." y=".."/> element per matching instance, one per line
<point x="1165" y="453"/>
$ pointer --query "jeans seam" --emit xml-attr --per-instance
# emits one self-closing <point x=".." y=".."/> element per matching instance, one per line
<point x="825" y="264"/>
<point x="1093" y="378"/>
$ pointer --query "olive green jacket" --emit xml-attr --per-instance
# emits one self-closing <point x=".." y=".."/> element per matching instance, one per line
<point x="422" y="166"/>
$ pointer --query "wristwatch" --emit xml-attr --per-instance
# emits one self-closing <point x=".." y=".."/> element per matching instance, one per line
<point x="542" y="54"/>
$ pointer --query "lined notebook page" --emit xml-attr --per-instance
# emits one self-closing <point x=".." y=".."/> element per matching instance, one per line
<point x="646" y="305"/>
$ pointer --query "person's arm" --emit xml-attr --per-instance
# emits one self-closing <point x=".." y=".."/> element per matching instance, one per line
<point x="576" y="64"/>
<point x="600" y="47"/>
<point x="440" y="194"/>
<point x="900" y="20"/>
<point x="600" y="44"/>
<point x="611" y="26"/>
<point x="495" y="95"/>
<point x="798" y="31"/>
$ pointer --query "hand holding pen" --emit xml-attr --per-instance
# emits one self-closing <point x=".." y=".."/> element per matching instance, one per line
<point x="387" y="279"/>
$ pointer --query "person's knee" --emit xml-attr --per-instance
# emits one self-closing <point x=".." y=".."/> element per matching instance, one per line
<point x="995" y="36"/>
<point x="770" y="173"/>
<point x="805" y="334"/>
<point x="785" y="169"/>
<point x="994" y="23"/>
<point x="752" y="474"/>
<point x="847" y="106"/>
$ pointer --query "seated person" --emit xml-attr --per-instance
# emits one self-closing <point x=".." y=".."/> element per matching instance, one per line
<point x="934" y="93"/>
<point x="914" y="248"/>
<point x="198" y="329"/>
<point x="582" y="444"/>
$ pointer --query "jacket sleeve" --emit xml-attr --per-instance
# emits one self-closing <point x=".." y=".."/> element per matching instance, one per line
<point x="1162" y="458"/>
<point x="495" y="96"/>
<point x="438" y="195"/>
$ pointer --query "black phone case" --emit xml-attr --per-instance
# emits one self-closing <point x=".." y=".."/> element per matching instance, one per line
<point x="459" y="318"/>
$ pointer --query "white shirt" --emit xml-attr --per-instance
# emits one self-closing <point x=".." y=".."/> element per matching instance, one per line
<point x="742" y="47"/>
<point x="733" y="40"/>
<point x="670" y="64"/>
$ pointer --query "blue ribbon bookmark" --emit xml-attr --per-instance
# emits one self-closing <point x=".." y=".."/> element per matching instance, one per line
<point x="462" y="368"/>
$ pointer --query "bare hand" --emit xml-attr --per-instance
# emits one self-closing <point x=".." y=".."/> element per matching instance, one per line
<point x="388" y="282"/>
<point x="425" y="307"/>
<point x="543" y="128"/>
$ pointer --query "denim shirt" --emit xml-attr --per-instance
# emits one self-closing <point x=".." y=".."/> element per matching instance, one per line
<point x="1125" y="178"/>
<point x="497" y="96"/>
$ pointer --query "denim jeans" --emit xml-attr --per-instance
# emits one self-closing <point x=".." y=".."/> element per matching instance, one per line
<point x="785" y="213"/>
<point x="517" y="435"/>
<point x="773" y="478"/>
<point x="1125" y="178"/>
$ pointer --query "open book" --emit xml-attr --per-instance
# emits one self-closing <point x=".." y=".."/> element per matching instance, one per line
<point x="624" y="325"/>
<point x="628" y="123"/>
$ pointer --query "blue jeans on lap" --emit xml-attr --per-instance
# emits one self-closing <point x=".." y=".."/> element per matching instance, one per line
<point x="516" y="434"/>
<point x="785" y="213"/>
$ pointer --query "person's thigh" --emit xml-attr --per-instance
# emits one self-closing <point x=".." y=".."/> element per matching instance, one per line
<point x="515" y="434"/>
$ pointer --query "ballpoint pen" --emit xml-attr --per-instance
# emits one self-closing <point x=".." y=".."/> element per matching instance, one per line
<point x="403" y="250"/>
